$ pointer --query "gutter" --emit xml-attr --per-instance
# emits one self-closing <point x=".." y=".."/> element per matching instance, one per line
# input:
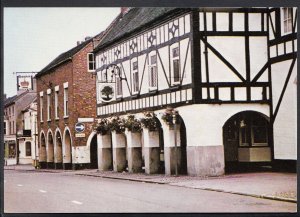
<point x="56" y="65"/>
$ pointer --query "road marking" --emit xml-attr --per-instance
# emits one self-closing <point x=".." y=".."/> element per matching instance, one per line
<point x="76" y="202"/>
<point x="42" y="191"/>
<point x="20" y="185"/>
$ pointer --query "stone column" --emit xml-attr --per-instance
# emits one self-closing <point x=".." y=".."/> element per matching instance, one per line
<point x="119" y="151"/>
<point x="169" y="149"/>
<point x="104" y="152"/>
<point x="134" y="151"/>
<point x="151" y="151"/>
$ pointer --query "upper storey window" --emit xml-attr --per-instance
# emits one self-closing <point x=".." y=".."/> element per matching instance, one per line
<point x="175" y="65"/>
<point x="287" y="20"/>
<point x="91" y="62"/>
<point x="135" y="77"/>
<point x="153" y="72"/>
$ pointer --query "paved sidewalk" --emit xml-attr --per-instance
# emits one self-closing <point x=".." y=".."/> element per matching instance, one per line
<point x="270" y="185"/>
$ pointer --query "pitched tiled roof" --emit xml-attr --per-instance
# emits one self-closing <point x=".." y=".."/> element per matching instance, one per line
<point x="13" y="99"/>
<point x="135" y="19"/>
<point x="65" y="56"/>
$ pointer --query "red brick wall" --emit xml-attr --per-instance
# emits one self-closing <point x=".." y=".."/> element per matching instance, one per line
<point x="82" y="96"/>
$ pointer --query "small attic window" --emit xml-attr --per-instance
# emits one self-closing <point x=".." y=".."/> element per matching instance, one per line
<point x="91" y="62"/>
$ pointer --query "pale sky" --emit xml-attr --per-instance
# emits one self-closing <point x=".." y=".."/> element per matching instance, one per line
<point x="33" y="37"/>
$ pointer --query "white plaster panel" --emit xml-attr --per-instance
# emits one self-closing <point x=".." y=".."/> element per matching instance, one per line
<point x="169" y="135"/>
<point x="212" y="92"/>
<point x="295" y="45"/>
<point x="133" y="139"/>
<point x="240" y="93"/>
<point x="258" y="54"/>
<point x="81" y="154"/>
<point x="224" y="94"/>
<point x="254" y="22"/>
<point x="289" y="46"/>
<point x="209" y="21"/>
<point x="218" y="70"/>
<point x="279" y="74"/>
<point x="151" y="138"/>
<point x="118" y="140"/>
<point x="201" y="21"/>
<point x="285" y="125"/>
<point x="280" y="49"/>
<point x="273" y="51"/>
<point x="204" y="93"/>
<point x="189" y="94"/>
<point x="222" y="21"/>
<point x="187" y="76"/>
<point x="164" y="63"/>
<point x="187" y="23"/>
<point x="206" y="130"/>
<point x="238" y="22"/>
<point x="256" y="93"/>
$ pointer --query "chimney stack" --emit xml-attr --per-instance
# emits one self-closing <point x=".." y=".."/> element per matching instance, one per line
<point x="124" y="10"/>
<point x="78" y="42"/>
<point x="87" y="38"/>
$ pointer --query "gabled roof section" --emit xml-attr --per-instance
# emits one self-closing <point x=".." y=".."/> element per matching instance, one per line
<point x="64" y="57"/>
<point x="13" y="99"/>
<point x="134" y="20"/>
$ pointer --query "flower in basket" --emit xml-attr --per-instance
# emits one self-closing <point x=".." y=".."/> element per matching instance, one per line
<point x="102" y="126"/>
<point x="117" y="124"/>
<point x="149" y="121"/>
<point x="133" y="124"/>
<point x="167" y="116"/>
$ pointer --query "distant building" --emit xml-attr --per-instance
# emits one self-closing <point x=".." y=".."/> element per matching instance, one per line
<point x="13" y="118"/>
<point x="229" y="72"/>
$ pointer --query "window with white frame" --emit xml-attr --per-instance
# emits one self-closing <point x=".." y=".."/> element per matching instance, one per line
<point x="91" y="62"/>
<point x="153" y="72"/>
<point x="175" y="61"/>
<point x="48" y="106"/>
<point x="56" y="104"/>
<point x="41" y="107"/>
<point x="118" y="86"/>
<point x="66" y="102"/>
<point x="135" y="77"/>
<point x="287" y="20"/>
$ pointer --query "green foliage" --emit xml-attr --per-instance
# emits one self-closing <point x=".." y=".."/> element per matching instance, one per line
<point x="149" y="121"/>
<point x="102" y="127"/>
<point x="117" y="124"/>
<point x="167" y="116"/>
<point x="133" y="124"/>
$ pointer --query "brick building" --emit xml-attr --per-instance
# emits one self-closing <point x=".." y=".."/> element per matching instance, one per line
<point x="66" y="95"/>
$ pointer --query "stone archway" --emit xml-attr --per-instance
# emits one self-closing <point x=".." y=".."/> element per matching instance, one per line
<point x="67" y="149"/>
<point x="58" y="150"/>
<point x="42" y="151"/>
<point x="50" y="150"/>
<point x="246" y="138"/>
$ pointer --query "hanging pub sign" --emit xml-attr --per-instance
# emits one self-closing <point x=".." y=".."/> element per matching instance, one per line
<point x="24" y="82"/>
<point x="107" y="82"/>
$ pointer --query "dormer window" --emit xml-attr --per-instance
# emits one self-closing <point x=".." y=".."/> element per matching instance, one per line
<point x="287" y="20"/>
<point x="91" y="62"/>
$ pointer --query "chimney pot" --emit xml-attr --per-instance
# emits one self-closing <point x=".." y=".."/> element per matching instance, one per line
<point x="78" y="42"/>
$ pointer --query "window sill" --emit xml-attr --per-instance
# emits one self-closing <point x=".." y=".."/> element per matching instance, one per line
<point x="48" y="120"/>
<point x="175" y="87"/>
<point x="66" y="116"/>
<point x="57" y="119"/>
<point x="135" y="95"/>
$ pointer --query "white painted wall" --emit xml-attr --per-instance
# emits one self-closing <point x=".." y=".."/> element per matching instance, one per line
<point x="285" y="125"/>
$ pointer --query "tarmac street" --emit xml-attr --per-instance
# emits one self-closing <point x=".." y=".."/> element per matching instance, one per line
<point x="66" y="192"/>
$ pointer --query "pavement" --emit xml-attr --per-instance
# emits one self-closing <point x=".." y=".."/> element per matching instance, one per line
<point x="267" y="185"/>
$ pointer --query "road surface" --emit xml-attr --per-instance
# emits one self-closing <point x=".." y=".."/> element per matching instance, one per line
<point x="42" y="192"/>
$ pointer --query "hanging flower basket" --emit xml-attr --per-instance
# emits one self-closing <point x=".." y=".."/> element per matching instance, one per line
<point x="149" y="121"/>
<point x="102" y="127"/>
<point x="117" y="124"/>
<point x="167" y="116"/>
<point x="133" y="124"/>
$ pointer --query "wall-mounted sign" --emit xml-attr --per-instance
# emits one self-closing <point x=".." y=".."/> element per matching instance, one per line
<point x="85" y="120"/>
<point x="79" y="127"/>
<point x="106" y="92"/>
<point x="80" y="135"/>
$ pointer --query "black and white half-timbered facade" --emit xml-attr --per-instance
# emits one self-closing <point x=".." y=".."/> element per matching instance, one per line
<point x="228" y="72"/>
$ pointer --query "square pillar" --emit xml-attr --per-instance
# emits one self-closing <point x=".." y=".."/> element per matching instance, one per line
<point x="104" y="152"/>
<point x="134" y="151"/>
<point x="151" y="151"/>
<point x="119" y="151"/>
<point x="169" y="149"/>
